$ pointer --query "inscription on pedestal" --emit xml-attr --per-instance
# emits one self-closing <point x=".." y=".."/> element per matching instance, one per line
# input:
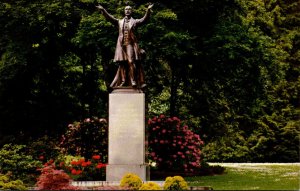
<point x="126" y="129"/>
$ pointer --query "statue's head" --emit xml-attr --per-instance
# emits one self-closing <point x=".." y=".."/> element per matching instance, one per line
<point x="128" y="11"/>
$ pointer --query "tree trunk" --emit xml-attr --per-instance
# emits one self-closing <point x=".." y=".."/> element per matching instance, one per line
<point x="173" y="97"/>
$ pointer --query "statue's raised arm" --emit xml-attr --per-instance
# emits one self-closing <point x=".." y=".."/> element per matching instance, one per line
<point x="150" y="6"/>
<point x="146" y="16"/>
<point x="107" y="15"/>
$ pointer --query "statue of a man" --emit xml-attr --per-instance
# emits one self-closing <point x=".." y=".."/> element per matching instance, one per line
<point x="127" y="52"/>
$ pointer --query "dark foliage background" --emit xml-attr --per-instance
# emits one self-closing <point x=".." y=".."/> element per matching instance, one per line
<point x="229" y="69"/>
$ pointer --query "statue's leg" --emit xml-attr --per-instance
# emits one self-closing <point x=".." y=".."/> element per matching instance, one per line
<point x="131" y="65"/>
<point x="131" y="72"/>
<point x="141" y="75"/>
<point x="122" y="74"/>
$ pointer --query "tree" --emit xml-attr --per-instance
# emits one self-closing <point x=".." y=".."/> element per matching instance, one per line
<point x="34" y="38"/>
<point x="256" y="117"/>
<point x="229" y="69"/>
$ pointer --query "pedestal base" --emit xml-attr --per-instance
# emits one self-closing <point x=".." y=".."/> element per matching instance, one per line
<point x="126" y="135"/>
<point x="116" y="172"/>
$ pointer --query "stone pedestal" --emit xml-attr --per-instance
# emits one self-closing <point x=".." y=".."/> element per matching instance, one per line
<point x="126" y="135"/>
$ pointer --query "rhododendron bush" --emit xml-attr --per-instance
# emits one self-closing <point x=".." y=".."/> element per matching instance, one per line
<point x="85" y="138"/>
<point x="173" y="145"/>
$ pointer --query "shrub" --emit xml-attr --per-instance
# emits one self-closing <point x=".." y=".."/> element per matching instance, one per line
<point x="7" y="184"/>
<point x="85" y="138"/>
<point x="14" y="160"/>
<point x="44" y="148"/>
<point x="83" y="169"/>
<point x="150" y="186"/>
<point x="131" y="181"/>
<point x="52" y="179"/>
<point x="173" y="145"/>
<point x="175" y="183"/>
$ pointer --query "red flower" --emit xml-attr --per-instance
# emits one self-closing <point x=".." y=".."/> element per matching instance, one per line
<point x="83" y="164"/>
<point x="78" y="172"/>
<point x="41" y="157"/>
<point x="100" y="165"/>
<point x="74" y="162"/>
<point x="176" y="119"/>
<point x="74" y="171"/>
<point x="170" y="120"/>
<point x="88" y="163"/>
<point x="96" y="157"/>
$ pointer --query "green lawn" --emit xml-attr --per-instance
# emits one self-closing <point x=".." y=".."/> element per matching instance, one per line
<point x="252" y="176"/>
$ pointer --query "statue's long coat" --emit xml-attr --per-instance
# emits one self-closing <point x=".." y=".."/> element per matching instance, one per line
<point x="120" y="54"/>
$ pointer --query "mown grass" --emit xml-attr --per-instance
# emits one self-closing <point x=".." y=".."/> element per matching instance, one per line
<point x="252" y="177"/>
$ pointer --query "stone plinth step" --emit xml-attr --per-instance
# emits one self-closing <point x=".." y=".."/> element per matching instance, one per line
<point x="107" y="184"/>
<point x="104" y="183"/>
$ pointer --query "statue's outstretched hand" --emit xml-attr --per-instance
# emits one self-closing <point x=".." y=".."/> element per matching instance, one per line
<point x="150" y="6"/>
<point x="100" y="7"/>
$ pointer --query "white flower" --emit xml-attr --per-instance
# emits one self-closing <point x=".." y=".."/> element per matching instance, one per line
<point x="153" y="164"/>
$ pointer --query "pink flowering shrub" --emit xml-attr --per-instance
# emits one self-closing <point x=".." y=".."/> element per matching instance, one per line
<point x="85" y="138"/>
<point x="173" y="145"/>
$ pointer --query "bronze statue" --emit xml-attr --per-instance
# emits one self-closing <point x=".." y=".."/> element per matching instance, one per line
<point x="127" y="53"/>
